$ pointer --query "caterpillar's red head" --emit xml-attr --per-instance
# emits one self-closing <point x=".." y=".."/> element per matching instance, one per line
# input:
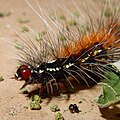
<point x="23" y="73"/>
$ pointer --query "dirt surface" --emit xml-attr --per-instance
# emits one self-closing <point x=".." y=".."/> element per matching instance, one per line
<point x="15" y="106"/>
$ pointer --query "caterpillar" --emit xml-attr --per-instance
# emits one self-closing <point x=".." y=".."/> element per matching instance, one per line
<point x="73" y="53"/>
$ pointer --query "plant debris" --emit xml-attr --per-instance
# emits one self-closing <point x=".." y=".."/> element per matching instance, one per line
<point x="72" y="22"/>
<point x="24" y="29"/>
<point x="22" y="21"/>
<point x="19" y="46"/>
<point x="39" y="36"/>
<point x="58" y="116"/>
<point x="5" y="14"/>
<point x="24" y="91"/>
<point x="54" y="108"/>
<point x="35" y="103"/>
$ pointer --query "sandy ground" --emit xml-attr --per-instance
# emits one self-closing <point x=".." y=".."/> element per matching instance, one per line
<point x="15" y="106"/>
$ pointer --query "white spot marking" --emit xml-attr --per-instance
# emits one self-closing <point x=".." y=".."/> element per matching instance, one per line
<point x="57" y="69"/>
<point x="41" y="71"/>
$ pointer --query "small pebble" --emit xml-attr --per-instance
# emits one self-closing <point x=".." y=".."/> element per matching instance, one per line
<point x="73" y="108"/>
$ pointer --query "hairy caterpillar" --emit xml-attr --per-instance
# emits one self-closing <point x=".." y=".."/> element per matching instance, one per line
<point x="72" y="53"/>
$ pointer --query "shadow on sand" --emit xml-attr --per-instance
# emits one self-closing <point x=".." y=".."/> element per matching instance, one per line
<point x="111" y="113"/>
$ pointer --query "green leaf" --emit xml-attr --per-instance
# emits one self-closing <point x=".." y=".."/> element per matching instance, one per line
<point x="35" y="105"/>
<point x="111" y="90"/>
